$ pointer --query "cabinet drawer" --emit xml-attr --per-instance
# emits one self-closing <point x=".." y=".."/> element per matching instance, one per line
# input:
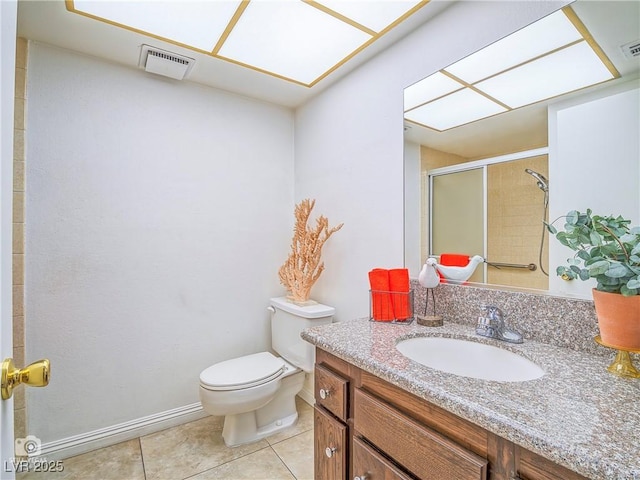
<point x="331" y="391"/>
<point x="534" y="467"/>
<point x="329" y="447"/>
<point x="423" y="452"/>
<point x="370" y="465"/>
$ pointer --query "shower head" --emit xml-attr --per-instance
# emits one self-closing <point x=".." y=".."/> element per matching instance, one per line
<point x="543" y="183"/>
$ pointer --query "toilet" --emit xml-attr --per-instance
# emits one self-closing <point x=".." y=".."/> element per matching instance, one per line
<point x="256" y="393"/>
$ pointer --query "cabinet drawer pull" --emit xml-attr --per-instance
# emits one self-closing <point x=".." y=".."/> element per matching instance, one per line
<point x="360" y="477"/>
<point x="324" y="393"/>
<point x="329" y="451"/>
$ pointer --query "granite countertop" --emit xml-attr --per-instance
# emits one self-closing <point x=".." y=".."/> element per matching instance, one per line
<point x="577" y="415"/>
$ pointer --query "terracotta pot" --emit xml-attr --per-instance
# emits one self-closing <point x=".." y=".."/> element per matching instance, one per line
<point x="618" y="319"/>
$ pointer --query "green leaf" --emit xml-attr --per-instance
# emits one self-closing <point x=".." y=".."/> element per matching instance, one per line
<point x="584" y="274"/>
<point x="598" y="268"/>
<point x="635" y="230"/>
<point x="603" y="279"/>
<point x="584" y="255"/>
<point x="628" y="292"/>
<point x="594" y="259"/>
<point x="562" y="238"/>
<point x="617" y="270"/>
<point x="553" y="230"/>
<point x="596" y="238"/>
<point x="627" y="238"/>
<point x="609" y="250"/>
<point x="634" y="283"/>
<point x="572" y="217"/>
<point x="584" y="239"/>
<point x="564" y="271"/>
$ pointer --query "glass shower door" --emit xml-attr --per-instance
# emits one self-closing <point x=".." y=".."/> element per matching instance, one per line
<point x="458" y="215"/>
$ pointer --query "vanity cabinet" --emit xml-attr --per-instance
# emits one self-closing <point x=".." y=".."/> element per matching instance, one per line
<point x="367" y="428"/>
<point x="531" y="466"/>
<point x="422" y="451"/>
<point x="368" y="464"/>
<point x="329" y="446"/>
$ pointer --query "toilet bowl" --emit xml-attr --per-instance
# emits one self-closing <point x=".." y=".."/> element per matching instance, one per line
<point x="256" y="393"/>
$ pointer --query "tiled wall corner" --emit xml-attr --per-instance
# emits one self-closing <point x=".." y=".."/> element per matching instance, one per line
<point x="20" y="410"/>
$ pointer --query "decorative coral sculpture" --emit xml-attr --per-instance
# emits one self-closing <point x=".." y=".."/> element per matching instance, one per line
<point x="303" y="267"/>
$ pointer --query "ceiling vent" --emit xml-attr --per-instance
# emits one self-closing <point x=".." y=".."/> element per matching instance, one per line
<point x="631" y="49"/>
<point x="162" y="62"/>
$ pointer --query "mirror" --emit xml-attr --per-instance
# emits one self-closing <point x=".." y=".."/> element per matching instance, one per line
<point x="540" y="158"/>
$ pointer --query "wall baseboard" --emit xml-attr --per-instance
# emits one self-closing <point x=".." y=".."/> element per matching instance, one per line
<point x="307" y="396"/>
<point x="104" y="437"/>
<point x="306" y="393"/>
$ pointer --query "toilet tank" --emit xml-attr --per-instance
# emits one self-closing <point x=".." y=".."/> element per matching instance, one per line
<point x="288" y="320"/>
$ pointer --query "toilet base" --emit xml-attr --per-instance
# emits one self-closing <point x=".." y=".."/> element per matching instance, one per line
<point x="278" y="414"/>
<point x="241" y="429"/>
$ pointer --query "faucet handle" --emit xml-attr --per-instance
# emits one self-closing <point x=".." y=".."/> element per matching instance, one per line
<point x="492" y="311"/>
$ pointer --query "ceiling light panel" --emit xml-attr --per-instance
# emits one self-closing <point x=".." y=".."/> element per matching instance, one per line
<point x="428" y="89"/>
<point x="545" y="35"/>
<point x="296" y="40"/>
<point x="564" y="71"/>
<point x="291" y="39"/>
<point x="204" y="21"/>
<point x="376" y="15"/>
<point x="461" y="107"/>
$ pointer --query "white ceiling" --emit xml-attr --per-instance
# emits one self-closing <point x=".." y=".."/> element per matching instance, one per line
<point x="612" y="24"/>
<point x="50" y="22"/>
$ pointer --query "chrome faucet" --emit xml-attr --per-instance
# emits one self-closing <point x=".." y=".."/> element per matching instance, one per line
<point x="491" y="325"/>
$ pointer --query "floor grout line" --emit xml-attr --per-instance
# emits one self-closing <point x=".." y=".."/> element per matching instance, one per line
<point x="233" y="460"/>
<point x="283" y="462"/>
<point x="147" y="461"/>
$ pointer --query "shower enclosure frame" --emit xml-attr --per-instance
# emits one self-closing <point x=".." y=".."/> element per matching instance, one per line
<point x="473" y="165"/>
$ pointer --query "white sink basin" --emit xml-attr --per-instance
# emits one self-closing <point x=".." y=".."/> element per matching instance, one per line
<point x="469" y="359"/>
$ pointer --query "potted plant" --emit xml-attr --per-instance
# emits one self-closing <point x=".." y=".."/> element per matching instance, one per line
<point x="608" y="250"/>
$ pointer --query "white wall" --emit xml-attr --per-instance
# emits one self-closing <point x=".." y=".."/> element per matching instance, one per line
<point x="158" y="214"/>
<point x="412" y="209"/>
<point x="349" y="143"/>
<point x="594" y="162"/>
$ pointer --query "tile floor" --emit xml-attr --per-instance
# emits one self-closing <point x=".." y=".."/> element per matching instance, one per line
<point x="196" y="451"/>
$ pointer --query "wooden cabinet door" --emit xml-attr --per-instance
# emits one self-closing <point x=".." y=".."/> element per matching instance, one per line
<point x="531" y="466"/>
<point x="329" y="447"/>
<point x="370" y="465"/>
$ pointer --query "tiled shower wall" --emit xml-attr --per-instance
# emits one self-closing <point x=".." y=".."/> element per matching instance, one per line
<point x="20" y="418"/>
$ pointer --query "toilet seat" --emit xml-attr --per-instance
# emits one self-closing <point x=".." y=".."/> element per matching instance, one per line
<point x="243" y="372"/>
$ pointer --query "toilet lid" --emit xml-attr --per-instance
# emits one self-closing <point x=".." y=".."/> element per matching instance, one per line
<point x="242" y="372"/>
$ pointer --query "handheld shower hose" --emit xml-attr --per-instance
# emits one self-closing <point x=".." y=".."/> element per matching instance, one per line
<point x="543" y="184"/>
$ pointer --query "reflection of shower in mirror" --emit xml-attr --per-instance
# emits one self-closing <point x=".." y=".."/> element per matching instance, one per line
<point x="543" y="184"/>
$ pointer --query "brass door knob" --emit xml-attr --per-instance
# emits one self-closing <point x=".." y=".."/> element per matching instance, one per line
<point x="36" y="375"/>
